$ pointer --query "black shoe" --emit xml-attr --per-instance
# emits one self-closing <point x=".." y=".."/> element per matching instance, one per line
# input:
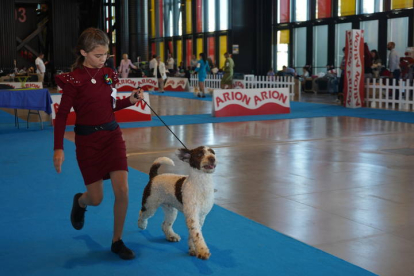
<point x="77" y="216"/>
<point x="124" y="252"/>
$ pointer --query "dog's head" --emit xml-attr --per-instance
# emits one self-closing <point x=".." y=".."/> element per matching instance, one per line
<point x="201" y="158"/>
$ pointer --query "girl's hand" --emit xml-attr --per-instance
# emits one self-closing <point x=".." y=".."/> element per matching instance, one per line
<point x="58" y="159"/>
<point x="136" y="95"/>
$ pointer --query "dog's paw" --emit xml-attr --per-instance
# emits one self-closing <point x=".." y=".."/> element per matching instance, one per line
<point x="203" y="254"/>
<point x="174" y="238"/>
<point x="142" y="224"/>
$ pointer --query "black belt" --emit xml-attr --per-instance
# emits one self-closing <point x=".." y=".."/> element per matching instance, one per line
<point x="86" y="130"/>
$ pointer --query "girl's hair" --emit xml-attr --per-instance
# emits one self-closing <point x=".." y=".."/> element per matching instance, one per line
<point x="203" y="57"/>
<point x="87" y="41"/>
<point x="376" y="54"/>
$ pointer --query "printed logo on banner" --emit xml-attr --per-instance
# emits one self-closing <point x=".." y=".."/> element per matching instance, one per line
<point x="238" y="84"/>
<point x="176" y="84"/>
<point x="250" y="102"/>
<point x="127" y="84"/>
<point x="136" y="113"/>
<point x="148" y="83"/>
<point x="37" y="85"/>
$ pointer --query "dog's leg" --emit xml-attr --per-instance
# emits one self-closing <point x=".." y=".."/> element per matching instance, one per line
<point x="170" y="216"/>
<point x="197" y="240"/>
<point x="146" y="212"/>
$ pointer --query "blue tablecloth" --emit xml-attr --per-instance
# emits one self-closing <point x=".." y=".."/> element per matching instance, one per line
<point x="33" y="99"/>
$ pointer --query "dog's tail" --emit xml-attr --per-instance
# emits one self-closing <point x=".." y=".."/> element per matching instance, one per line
<point x="157" y="163"/>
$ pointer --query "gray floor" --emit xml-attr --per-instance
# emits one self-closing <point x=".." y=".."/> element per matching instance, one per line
<point x="341" y="184"/>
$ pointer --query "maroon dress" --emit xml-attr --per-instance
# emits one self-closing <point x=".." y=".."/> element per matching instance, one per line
<point x="103" y="151"/>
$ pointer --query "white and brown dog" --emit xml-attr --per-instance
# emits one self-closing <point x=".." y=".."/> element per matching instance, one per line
<point x="193" y="195"/>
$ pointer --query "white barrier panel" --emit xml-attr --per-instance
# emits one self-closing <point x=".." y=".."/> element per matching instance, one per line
<point x="135" y="113"/>
<point x="15" y="85"/>
<point x="354" y="74"/>
<point x="176" y="84"/>
<point x="245" y="102"/>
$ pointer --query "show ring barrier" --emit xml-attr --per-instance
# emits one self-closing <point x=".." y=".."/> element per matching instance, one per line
<point x="135" y="113"/>
<point x="246" y="102"/>
<point x="212" y="82"/>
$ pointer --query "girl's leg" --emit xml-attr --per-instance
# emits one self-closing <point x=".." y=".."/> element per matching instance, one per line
<point x="120" y="186"/>
<point x="93" y="195"/>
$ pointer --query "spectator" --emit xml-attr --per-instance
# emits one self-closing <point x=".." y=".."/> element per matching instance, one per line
<point x="376" y="64"/>
<point x="126" y="63"/>
<point x="271" y="73"/>
<point x="193" y="62"/>
<point x="393" y="65"/>
<point x="152" y="64"/>
<point x="227" y="79"/>
<point x="286" y="71"/>
<point x="41" y="67"/>
<point x="170" y="63"/>
<point x="160" y="73"/>
<point x="110" y="62"/>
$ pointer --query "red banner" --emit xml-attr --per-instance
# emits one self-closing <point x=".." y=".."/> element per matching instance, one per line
<point x="354" y="69"/>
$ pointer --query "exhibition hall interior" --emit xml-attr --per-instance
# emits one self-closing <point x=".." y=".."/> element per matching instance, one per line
<point x="274" y="136"/>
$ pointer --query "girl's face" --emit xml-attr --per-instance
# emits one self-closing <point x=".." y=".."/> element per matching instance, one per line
<point x="95" y="58"/>
<point x="373" y="54"/>
<point x="125" y="56"/>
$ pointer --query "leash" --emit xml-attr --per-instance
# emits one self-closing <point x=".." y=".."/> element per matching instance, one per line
<point x="136" y="96"/>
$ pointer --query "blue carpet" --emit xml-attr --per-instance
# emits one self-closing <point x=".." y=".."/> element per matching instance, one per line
<point x="185" y="95"/>
<point x="37" y="238"/>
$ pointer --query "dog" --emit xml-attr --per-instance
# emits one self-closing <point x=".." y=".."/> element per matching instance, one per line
<point x="191" y="194"/>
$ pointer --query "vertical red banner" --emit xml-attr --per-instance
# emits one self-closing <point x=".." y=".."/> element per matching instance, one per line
<point x="354" y="70"/>
<point x="210" y="48"/>
<point x="170" y="47"/>
<point x="199" y="15"/>
<point x="189" y="51"/>
<point x="161" y="18"/>
<point x="153" y="50"/>
<point x="324" y="8"/>
<point x="284" y="13"/>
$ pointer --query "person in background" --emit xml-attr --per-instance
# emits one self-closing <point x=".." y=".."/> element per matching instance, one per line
<point x="160" y="72"/>
<point x="287" y="71"/>
<point x="271" y="73"/>
<point x="394" y="65"/>
<point x="110" y="62"/>
<point x="170" y="64"/>
<point x="227" y="79"/>
<point x="376" y="64"/>
<point x="152" y="64"/>
<point x="202" y="69"/>
<point x="193" y="62"/>
<point x="41" y="67"/>
<point x="100" y="148"/>
<point x="126" y="63"/>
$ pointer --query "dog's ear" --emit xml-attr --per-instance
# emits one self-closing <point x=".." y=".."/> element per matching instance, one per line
<point x="184" y="155"/>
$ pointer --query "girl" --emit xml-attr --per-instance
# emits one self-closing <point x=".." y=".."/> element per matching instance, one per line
<point x="160" y="74"/>
<point x="100" y="149"/>
<point x="202" y="69"/>
<point x="124" y="66"/>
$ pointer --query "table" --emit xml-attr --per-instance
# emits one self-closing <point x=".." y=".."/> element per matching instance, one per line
<point x="31" y="99"/>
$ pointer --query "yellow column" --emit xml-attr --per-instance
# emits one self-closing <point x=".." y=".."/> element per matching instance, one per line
<point x="188" y="17"/>
<point x="223" y="49"/>
<point x="200" y="46"/>
<point x="179" y="51"/>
